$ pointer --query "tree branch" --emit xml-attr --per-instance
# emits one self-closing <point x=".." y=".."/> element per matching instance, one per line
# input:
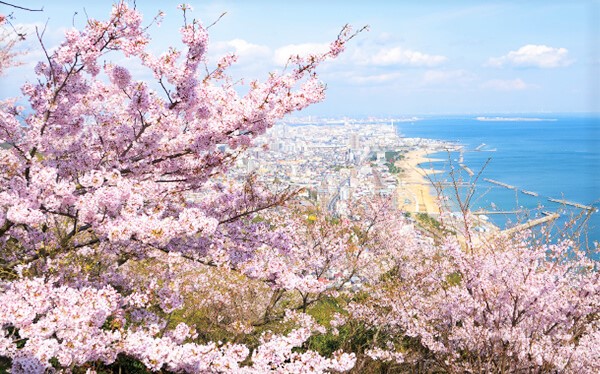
<point x="22" y="8"/>
<point x="7" y="225"/>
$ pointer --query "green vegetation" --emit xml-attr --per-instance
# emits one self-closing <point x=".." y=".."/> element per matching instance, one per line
<point x="391" y="157"/>
<point x="428" y="221"/>
<point x="393" y="168"/>
<point x="431" y="225"/>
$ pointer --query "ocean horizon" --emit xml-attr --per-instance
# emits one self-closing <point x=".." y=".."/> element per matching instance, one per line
<point x="553" y="156"/>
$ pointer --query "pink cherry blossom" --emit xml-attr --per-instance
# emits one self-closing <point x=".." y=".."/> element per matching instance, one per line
<point x="106" y="175"/>
<point x="120" y="77"/>
<point x="120" y="225"/>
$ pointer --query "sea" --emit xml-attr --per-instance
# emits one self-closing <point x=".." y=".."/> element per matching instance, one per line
<point x="553" y="156"/>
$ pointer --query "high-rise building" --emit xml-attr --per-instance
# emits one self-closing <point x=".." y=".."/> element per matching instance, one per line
<point x="354" y="144"/>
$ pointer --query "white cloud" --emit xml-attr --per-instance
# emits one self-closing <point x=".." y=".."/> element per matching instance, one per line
<point x="254" y="60"/>
<point x="375" y="78"/>
<point x="507" y="85"/>
<point x="28" y="52"/>
<point x="241" y="48"/>
<point x="51" y="37"/>
<point x="282" y="54"/>
<point x="435" y="77"/>
<point x="400" y="56"/>
<point x="531" y="55"/>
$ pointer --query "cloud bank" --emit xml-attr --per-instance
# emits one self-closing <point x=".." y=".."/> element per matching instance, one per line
<point x="532" y="55"/>
<point x="397" y="56"/>
<point x="282" y="54"/>
<point x="241" y="48"/>
<point x="507" y="85"/>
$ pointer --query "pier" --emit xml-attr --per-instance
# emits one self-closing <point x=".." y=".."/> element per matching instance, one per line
<point x="486" y="212"/>
<point x="467" y="169"/>
<point x="530" y="193"/>
<point x="532" y="223"/>
<point x="500" y="183"/>
<point x="452" y="184"/>
<point x="479" y="148"/>
<point x="570" y="203"/>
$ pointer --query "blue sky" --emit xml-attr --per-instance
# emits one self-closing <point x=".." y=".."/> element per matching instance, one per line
<point x="419" y="57"/>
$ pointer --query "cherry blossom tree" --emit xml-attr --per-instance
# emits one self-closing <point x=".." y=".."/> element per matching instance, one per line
<point x="122" y="238"/>
<point x="513" y="304"/>
<point x="106" y="172"/>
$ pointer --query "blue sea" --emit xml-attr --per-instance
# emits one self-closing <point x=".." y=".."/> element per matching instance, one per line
<point x="555" y="156"/>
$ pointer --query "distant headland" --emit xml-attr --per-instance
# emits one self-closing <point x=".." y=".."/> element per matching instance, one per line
<point x="514" y="119"/>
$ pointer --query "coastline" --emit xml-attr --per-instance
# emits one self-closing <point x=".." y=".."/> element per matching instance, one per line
<point x="416" y="194"/>
<point x="415" y="191"/>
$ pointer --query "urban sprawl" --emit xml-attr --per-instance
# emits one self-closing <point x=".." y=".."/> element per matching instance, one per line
<point x="335" y="162"/>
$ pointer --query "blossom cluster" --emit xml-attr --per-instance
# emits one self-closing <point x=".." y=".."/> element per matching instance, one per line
<point x="121" y="235"/>
<point x="506" y="306"/>
<point x="78" y="326"/>
<point x="106" y="174"/>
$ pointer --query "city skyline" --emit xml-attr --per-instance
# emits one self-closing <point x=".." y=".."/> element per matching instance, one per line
<point x="426" y="58"/>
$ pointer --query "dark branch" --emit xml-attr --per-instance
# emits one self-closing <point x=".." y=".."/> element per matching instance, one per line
<point x="7" y="225"/>
<point x="23" y="8"/>
<point x="278" y="202"/>
<point x="218" y="19"/>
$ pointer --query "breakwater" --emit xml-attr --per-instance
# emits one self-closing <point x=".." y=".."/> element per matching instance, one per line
<point x="467" y="169"/>
<point x="493" y="181"/>
<point x="532" y="223"/>
<point x="570" y="203"/>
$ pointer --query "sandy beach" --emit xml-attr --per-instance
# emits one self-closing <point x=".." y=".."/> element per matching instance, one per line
<point x="415" y="191"/>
